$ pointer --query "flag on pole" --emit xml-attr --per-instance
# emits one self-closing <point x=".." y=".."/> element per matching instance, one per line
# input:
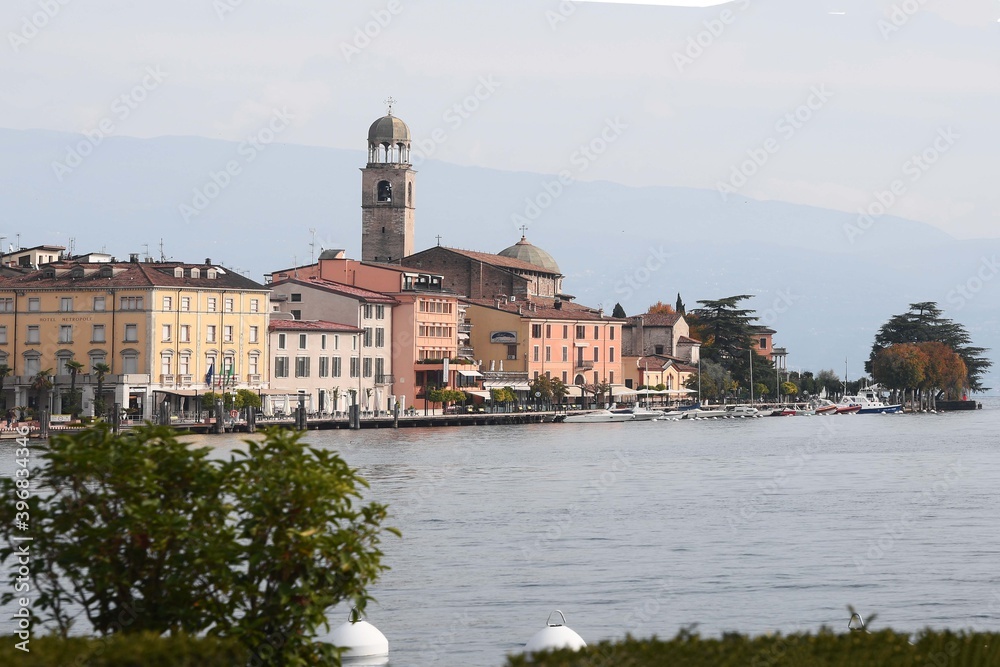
<point x="210" y="374"/>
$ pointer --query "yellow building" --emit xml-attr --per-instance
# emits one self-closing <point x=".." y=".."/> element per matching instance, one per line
<point x="167" y="331"/>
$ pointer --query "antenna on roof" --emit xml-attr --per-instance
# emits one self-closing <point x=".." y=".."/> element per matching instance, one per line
<point x="145" y="253"/>
<point x="163" y="257"/>
<point x="312" y="246"/>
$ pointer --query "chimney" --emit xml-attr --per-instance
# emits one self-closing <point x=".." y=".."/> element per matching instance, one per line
<point x="133" y="258"/>
<point x="208" y="261"/>
<point x="558" y="304"/>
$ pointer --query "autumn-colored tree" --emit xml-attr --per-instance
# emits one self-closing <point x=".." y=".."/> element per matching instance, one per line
<point x="946" y="371"/>
<point x="660" y="308"/>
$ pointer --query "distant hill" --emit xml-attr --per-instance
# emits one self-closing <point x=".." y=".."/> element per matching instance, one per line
<point x="824" y="294"/>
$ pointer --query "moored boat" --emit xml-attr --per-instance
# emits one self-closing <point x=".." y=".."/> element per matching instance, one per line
<point x="868" y="402"/>
<point x="599" y="417"/>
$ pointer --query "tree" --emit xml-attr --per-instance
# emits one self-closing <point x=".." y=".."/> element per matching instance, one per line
<point x="257" y="548"/>
<point x="900" y="367"/>
<point x="727" y="332"/>
<point x="541" y="385"/>
<point x="789" y="389"/>
<point x="923" y="322"/>
<point x="946" y="370"/>
<point x="762" y="390"/>
<point x="618" y="312"/>
<point x="246" y="399"/>
<point x="559" y="390"/>
<point x="101" y="370"/>
<point x="41" y="384"/>
<point x="5" y="372"/>
<point x="679" y="307"/>
<point x="660" y="308"/>
<point x="828" y="380"/>
<point x="74" y="367"/>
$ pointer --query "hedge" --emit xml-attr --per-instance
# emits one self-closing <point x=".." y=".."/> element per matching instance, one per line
<point x="132" y="650"/>
<point x="823" y="649"/>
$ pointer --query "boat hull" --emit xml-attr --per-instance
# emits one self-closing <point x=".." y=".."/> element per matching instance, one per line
<point x="882" y="410"/>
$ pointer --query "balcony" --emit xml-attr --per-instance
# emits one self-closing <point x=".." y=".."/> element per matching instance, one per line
<point x="185" y="380"/>
<point x="254" y="378"/>
<point x="167" y="380"/>
<point x="464" y="328"/>
<point x="384" y="379"/>
<point x="581" y="365"/>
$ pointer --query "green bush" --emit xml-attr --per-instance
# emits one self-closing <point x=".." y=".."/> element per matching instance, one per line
<point x="136" y="650"/>
<point x="823" y="649"/>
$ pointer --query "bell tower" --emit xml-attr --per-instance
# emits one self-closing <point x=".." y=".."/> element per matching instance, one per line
<point x="387" y="192"/>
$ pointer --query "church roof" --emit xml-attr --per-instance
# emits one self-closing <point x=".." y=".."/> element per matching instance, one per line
<point x="388" y="130"/>
<point x="504" y="262"/>
<point x="532" y="254"/>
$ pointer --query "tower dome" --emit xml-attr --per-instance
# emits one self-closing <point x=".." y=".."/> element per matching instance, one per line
<point x="389" y="140"/>
<point x="526" y="252"/>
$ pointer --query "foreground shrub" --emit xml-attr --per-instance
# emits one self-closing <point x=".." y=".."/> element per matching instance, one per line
<point x="145" y="534"/>
<point x="824" y="649"/>
<point x="133" y="650"/>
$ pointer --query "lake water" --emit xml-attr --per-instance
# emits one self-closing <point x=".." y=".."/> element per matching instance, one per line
<point x="748" y="525"/>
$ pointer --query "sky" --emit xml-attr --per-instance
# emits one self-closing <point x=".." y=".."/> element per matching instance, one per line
<point x="842" y="104"/>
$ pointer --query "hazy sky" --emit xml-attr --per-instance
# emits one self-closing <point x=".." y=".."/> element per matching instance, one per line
<point x="823" y="102"/>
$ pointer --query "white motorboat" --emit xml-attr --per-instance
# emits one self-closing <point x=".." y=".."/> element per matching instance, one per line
<point x="869" y="400"/>
<point x="704" y="414"/>
<point x="599" y="417"/>
<point x="742" y="411"/>
<point x="639" y="413"/>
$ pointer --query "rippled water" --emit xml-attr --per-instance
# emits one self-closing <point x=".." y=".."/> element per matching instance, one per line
<point x="748" y="525"/>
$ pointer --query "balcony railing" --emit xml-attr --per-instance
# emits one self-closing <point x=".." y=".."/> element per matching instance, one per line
<point x="581" y="365"/>
<point x="167" y="380"/>
<point x="185" y="380"/>
<point x="384" y="379"/>
<point x="254" y="378"/>
<point x="465" y="328"/>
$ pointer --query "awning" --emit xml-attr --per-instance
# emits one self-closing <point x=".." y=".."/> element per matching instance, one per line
<point x="574" y="391"/>
<point x="480" y="394"/>
<point x="621" y="390"/>
<point x="470" y="374"/>
<point x="178" y="392"/>
<point x="516" y="386"/>
<point x="681" y="391"/>
<point x="579" y="344"/>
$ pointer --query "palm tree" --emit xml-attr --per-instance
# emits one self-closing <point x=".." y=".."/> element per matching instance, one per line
<point x="100" y="369"/>
<point x="5" y="371"/>
<point x="74" y="367"/>
<point x="41" y="383"/>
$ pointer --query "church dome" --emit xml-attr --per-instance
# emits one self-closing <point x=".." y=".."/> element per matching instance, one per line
<point x="388" y="130"/>
<point x="526" y="252"/>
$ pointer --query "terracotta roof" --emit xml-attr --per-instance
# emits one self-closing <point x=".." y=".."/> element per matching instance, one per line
<point x="684" y="368"/>
<point x="690" y="341"/>
<point x="363" y="295"/>
<point x="310" y="325"/>
<point x="657" y="319"/>
<point x="502" y="262"/>
<point x="545" y="309"/>
<point x="757" y="329"/>
<point x="129" y="275"/>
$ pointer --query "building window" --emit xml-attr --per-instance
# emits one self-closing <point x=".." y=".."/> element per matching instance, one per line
<point x="253" y="364"/>
<point x="658" y="349"/>
<point x="324" y="367"/>
<point x="254" y="305"/>
<point x="581" y="332"/>
<point x="166" y="364"/>
<point x="336" y="341"/>
<point x="34" y="305"/>
<point x="166" y="333"/>
<point x="281" y="367"/>
<point x="548" y="353"/>
<point x="367" y="311"/>
<point x="296" y="298"/>
<point x="254" y="334"/>
<point x="212" y="304"/>
<point x="97" y="357"/>
<point x="367" y="367"/>
<point x="210" y="333"/>
<point x="131" y="333"/>
<point x="565" y="353"/>
<point x="534" y="353"/>
<point x="368" y="337"/>
<point x="302" y="341"/>
<point x="379" y="337"/>
<point x="512" y="352"/>
<point x="354" y="367"/>
<point x="379" y="369"/>
<point x="301" y="367"/>
<point x="565" y="377"/>
<point x="536" y="330"/>
<point x="3" y="335"/>
<point x="548" y="331"/>
<point x="228" y="305"/>
<point x="611" y="354"/>
<point x="379" y="312"/>
<point x="7" y="305"/>
<point x="281" y="341"/>
<point x="66" y="304"/>
<point x="611" y="333"/>
<point x="565" y="331"/>
<point x="185" y="303"/>
<point x="184" y="364"/>
<point x="185" y="333"/>
<point x="131" y="303"/>
<point x="322" y="341"/>
<point x="130" y="363"/>
<point x="296" y="314"/>
<point x="763" y="343"/>
<point x="227" y="333"/>
<point x="611" y="377"/>
<point x="66" y="333"/>
<point x="596" y="381"/>
<point x="168" y="303"/>
<point x="597" y="354"/>
<point x="337" y="369"/>
<point x="597" y="333"/>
